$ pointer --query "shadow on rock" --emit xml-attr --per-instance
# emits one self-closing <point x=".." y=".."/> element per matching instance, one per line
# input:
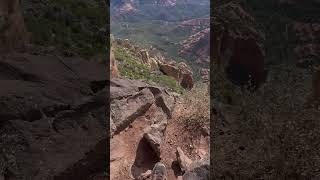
<point x="145" y="159"/>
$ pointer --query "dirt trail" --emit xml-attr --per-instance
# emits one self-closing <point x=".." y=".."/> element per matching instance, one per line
<point x="131" y="155"/>
<point x="193" y="143"/>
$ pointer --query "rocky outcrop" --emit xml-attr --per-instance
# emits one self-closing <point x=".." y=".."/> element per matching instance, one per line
<point x="193" y="25"/>
<point x="197" y="46"/>
<point x="204" y="72"/>
<point x="152" y="63"/>
<point x="144" y="55"/>
<point x="154" y="135"/>
<point x="131" y="99"/>
<point x="180" y="72"/>
<point x="139" y="117"/>
<point x="237" y="45"/>
<point x="199" y="22"/>
<point x="52" y="117"/>
<point x="12" y="28"/>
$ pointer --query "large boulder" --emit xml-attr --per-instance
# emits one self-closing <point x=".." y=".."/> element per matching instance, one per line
<point x="155" y="135"/>
<point x="12" y="27"/>
<point x="183" y="160"/>
<point x="181" y="72"/>
<point x="52" y="115"/>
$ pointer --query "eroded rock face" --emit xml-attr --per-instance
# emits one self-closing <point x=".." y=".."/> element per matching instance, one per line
<point x="180" y="72"/>
<point x="237" y="48"/>
<point x="53" y="117"/>
<point x="197" y="46"/>
<point x="12" y="28"/>
<point x="131" y="99"/>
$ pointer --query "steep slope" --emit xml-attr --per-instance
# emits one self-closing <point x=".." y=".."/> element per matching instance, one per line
<point x="163" y="25"/>
<point x="149" y="122"/>
<point x="150" y="65"/>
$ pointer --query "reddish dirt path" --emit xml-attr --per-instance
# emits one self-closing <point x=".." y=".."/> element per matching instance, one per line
<point x="131" y="156"/>
<point x="193" y="144"/>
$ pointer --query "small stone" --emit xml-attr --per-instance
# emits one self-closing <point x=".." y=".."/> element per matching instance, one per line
<point x="145" y="175"/>
<point x="183" y="160"/>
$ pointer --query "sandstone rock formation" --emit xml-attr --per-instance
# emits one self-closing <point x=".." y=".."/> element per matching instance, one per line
<point x="152" y="63"/>
<point x="197" y="46"/>
<point x="151" y="60"/>
<point x="52" y="117"/>
<point x="237" y="45"/>
<point x="180" y="72"/>
<point x="12" y="28"/>
<point x="131" y="99"/>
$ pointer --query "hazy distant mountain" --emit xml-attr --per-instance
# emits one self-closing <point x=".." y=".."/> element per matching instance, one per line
<point x="170" y="10"/>
<point x="164" y="25"/>
<point x="119" y="3"/>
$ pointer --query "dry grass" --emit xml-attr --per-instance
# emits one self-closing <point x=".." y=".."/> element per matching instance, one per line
<point x="196" y="106"/>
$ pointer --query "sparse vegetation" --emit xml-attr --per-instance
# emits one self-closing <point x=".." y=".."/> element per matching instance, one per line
<point x="196" y="105"/>
<point x="131" y="67"/>
<point x="159" y="27"/>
